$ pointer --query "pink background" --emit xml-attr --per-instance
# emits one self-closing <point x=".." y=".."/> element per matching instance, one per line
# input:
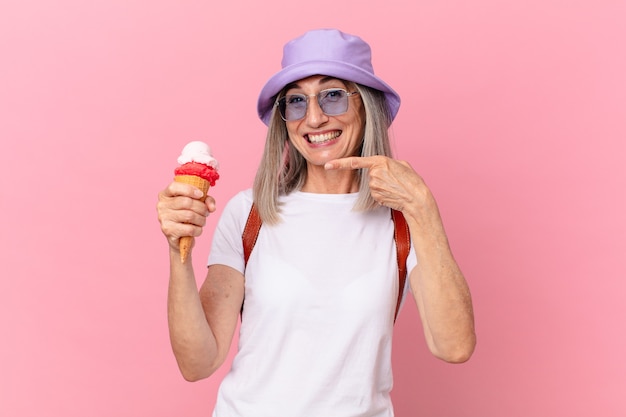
<point x="514" y="112"/>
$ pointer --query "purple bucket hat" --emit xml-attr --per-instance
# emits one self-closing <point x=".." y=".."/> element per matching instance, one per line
<point x="325" y="52"/>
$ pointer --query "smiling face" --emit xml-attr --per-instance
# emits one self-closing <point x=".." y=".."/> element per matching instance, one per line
<point x="320" y="137"/>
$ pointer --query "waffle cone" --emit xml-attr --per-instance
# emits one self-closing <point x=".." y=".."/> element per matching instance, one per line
<point x="203" y="185"/>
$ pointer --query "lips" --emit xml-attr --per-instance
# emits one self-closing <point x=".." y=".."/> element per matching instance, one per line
<point x="323" y="137"/>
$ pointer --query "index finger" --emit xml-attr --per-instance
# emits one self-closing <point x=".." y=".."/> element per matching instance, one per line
<point x="352" y="162"/>
<point x="176" y="188"/>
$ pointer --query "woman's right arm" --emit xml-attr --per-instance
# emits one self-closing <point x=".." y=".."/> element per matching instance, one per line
<point x="201" y="324"/>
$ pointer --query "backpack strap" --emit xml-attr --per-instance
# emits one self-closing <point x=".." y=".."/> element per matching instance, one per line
<point x="401" y="236"/>
<point x="403" y="245"/>
<point x="251" y="233"/>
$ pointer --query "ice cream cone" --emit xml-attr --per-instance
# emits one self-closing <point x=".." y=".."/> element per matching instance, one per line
<point x="202" y="184"/>
<point x="197" y="167"/>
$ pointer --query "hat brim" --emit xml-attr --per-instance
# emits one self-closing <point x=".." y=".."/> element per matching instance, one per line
<point x="337" y="69"/>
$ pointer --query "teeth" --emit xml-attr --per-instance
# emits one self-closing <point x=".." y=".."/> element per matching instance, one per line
<point x="323" y="137"/>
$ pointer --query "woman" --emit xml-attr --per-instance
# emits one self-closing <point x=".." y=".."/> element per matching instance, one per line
<point x="320" y="285"/>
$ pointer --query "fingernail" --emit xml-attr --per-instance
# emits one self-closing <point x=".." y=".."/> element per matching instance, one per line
<point x="198" y="193"/>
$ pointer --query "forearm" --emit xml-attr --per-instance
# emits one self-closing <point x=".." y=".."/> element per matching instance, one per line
<point x="441" y="291"/>
<point x="192" y="340"/>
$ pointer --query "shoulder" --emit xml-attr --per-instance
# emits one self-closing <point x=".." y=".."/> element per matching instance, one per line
<point x="236" y="211"/>
<point x="240" y="202"/>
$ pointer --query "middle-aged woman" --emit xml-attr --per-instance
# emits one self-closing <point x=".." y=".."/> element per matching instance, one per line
<point x="318" y="294"/>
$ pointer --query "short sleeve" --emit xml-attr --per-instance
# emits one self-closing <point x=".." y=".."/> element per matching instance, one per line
<point x="227" y="246"/>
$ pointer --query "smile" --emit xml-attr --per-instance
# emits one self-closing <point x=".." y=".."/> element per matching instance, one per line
<point x="324" y="137"/>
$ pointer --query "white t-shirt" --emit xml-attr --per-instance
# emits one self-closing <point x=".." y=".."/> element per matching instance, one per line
<point x="320" y="295"/>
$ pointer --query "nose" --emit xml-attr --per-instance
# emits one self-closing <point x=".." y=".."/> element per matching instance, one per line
<point x="315" y="117"/>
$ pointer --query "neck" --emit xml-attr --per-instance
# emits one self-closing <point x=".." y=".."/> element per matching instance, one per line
<point x="321" y="181"/>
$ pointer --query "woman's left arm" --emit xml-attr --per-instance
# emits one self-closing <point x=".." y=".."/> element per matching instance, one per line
<point x="437" y="283"/>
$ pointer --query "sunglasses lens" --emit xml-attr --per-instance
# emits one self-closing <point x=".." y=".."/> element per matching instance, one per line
<point x="333" y="102"/>
<point x="293" y="107"/>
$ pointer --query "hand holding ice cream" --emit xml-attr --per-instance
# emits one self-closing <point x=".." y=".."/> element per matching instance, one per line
<point x="198" y="168"/>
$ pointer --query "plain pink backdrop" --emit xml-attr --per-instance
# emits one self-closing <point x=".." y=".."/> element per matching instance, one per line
<point x="514" y="113"/>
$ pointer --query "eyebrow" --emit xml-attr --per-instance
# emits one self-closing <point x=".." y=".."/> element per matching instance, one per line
<point x="322" y="81"/>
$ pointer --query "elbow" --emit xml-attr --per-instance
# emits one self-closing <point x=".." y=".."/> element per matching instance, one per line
<point x="196" y="364"/>
<point x="458" y="353"/>
<point x="192" y="376"/>
<point x="457" y="357"/>
<point x="196" y="372"/>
